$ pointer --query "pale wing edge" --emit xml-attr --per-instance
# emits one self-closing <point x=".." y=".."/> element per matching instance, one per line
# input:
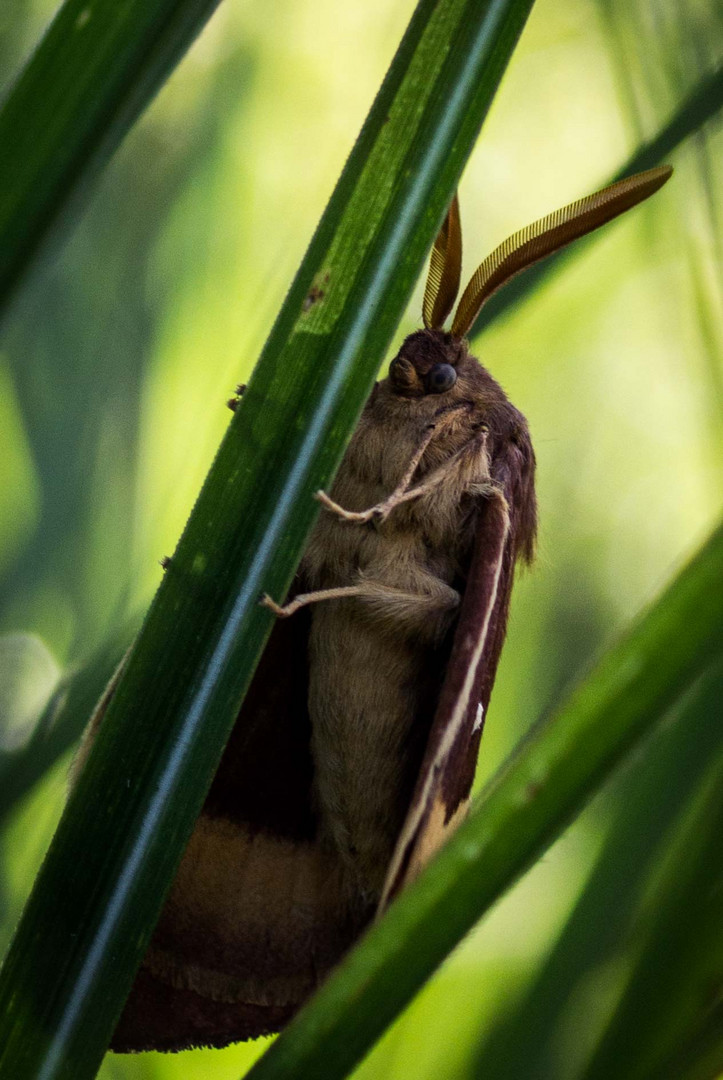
<point x="458" y="720"/>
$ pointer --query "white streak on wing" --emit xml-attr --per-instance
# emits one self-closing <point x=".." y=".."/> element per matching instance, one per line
<point x="450" y="732"/>
<point x="478" y="718"/>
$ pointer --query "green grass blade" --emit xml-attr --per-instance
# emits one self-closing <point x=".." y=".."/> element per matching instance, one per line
<point x="649" y="799"/>
<point x="97" y="67"/>
<point x="701" y="105"/>
<point x="555" y="771"/>
<point x="127" y="821"/>
<point x="677" y="969"/>
<point x="701" y="1058"/>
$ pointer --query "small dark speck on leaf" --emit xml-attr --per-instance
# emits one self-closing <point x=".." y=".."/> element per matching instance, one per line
<point x="314" y="295"/>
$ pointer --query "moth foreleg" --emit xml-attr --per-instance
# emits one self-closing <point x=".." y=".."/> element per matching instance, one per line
<point x="384" y="508"/>
<point x="402" y="492"/>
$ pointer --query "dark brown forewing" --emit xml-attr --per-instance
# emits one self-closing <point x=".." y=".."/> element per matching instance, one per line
<point x="506" y="528"/>
<point x="232" y="955"/>
<point x="264" y="778"/>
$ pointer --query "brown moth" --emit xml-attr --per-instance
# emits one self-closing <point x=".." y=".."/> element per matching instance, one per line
<point x="354" y="752"/>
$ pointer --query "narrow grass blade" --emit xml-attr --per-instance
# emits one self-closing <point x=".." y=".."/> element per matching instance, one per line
<point x="677" y="948"/>
<point x="701" y="1058"/>
<point x="93" y="73"/>
<point x="650" y="798"/>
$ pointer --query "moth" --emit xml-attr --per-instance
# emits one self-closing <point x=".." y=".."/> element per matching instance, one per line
<point x="354" y="751"/>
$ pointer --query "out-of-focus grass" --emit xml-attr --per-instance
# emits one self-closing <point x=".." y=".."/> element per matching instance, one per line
<point x="116" y="362"/>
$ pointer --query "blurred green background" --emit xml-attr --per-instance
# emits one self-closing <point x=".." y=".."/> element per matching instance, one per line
<point x="118" y="355"/>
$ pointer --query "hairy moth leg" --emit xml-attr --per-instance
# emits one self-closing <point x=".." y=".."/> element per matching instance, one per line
<point x="402" y="492"/>
<point x="282" y="611"/>
<point x="395" y="607"/>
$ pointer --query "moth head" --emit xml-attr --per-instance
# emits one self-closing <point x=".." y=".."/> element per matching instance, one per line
<point x="427" y="363"/>
<point x="429" y="360"/>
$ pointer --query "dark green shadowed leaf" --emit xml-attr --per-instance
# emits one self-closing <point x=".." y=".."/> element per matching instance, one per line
<point x="649" y="799"/>
<point x="701" y="1057"/>
<point x="554" y="772"/>
<point x="97" y="67"/>
<point x="127" y="821"/>
<point x="677" y="946"/>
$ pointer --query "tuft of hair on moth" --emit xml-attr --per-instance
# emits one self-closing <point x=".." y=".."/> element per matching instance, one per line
<point x="354" y="751"/>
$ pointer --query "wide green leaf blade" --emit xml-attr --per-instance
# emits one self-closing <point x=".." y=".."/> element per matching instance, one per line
<point x="128" y="819"/>
<point x="553" y="773"/>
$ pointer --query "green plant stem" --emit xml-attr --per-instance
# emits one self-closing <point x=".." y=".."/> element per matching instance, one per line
<point x="554" y="772"/>
<point x="125" y="826"/>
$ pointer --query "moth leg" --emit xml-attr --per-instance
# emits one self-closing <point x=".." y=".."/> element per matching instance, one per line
<point x="400" y="495"/>
<point x="434" y="479"/>
<point x="402" y="491"/>
<point x="303" y="599"/>
<point x="382" y="509"/>
<point x="425" y="612"/>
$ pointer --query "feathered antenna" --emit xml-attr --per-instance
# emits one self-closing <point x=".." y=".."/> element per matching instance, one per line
<point x="546" y="236"/>
<point x="445" y="268"/>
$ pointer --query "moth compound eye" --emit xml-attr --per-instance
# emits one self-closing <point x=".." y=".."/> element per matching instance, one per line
<point x="439" y="378"/>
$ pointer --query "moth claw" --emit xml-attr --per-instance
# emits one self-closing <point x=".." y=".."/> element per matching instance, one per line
<point x="278" y="611"/>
